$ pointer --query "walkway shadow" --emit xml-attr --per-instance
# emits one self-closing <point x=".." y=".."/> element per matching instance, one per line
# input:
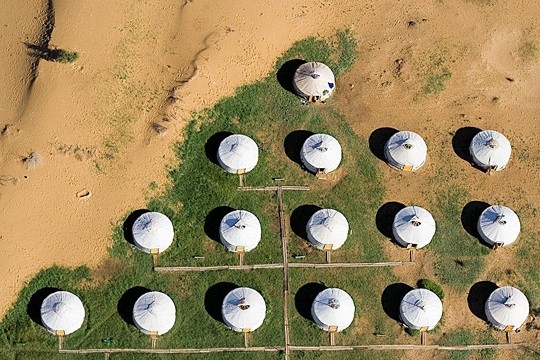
<point x="33" y="308"/>
<point x="391" y="299"/>
<point x="127" y="227"/>
<point x="477" y="297"/>
<point x="304" y="298"/>
<point x="212" y="144"/>
<point x="285" y="74"/>
<point x="293" y="144"/>
<point x="213" y="220"/>
<point x="300" y="217"/>
<point x="213" y="299"/>
<point x="127" y="302"/>
<point x="462" y="140"/>
<point x="385" y="218"/>
<point x="378" y="139"/>
<point x="470" y="215"/>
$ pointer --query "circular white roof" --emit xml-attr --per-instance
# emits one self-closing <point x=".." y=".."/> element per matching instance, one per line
<point x="327" y="227"/>
<point x="62" y="311"/>
<point x="333" y="308"/>
<point x="314" y="79"/>
<point x="421" y="308"/>
<point x="490" y="148"/>
<point x="153" y="230"/>
<point x="154" y="312"/>
<point x="240" y="228"/>
<point x="405" y="149"/>
<point x="507" y="306"/>
<point x="243" y="309"/>
<point x="321" y="151"/>
<point x="498" y="225"/>
<point x="413" y="225"/>
<point x="238" y="153"/>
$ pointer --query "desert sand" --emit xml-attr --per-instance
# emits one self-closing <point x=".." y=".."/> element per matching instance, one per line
<point x="155" y="62"/>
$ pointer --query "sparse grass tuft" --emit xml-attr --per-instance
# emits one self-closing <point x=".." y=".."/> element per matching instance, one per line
<point x="527" y="50"/>
<point x="432" y="286"/>
<point x="436" y="76"/>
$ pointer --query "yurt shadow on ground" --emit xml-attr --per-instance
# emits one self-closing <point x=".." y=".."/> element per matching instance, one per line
<point x="384" y="219"/>
<point x="127" y="301"/>
<point x="300" y="217"/>
<point x="304" y="297"/>
<point x="213" y="299"/>
<point x="391" y="299"/>
<point x="462" y="140"/>
<point x="33" y="308"/>
<point x="127" y="227"/>
<point x="285" y="74"/>
<point x="477" y="297"/>
<point x="469" y="217"/>
<point x="378" y="139"/>
<point x="293" y="144"/>
<point x="213" y="221"/>
<point x="212" y="145"/>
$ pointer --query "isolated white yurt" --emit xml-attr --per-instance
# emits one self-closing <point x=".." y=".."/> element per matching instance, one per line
<point x="238" y="154"/>
<point x="507" y="308"/>
<point x="413" y="226"/>
<point x="314" y="79"/>
<point x="154" y="313"/>
<point x="243" y="310"/>
<point x="153" y="232"/>
<point x="240" y="230"/>
<point x="420" y="309"/>
<point x="333" y="310"/>
<point x="405" y="150"/>
<point x="498" y="225"/>
<point x="62" y="313"/>
<point x="490" y="149"/>
<point x="327" y="229"/>
<point x="321" y="153"/>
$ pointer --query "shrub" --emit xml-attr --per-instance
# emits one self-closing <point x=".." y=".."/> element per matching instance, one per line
<point x="432" y="286"/>
<point x="63" y="56"/>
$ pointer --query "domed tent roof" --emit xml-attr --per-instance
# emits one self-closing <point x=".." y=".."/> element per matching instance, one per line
<point x="154" y="312"/>
<point x="420" y="309"/>
<point x="243" y="310"/>
<point x="327" y="227"/>
<point x="507" y="308"/>
<point x="321" y="152"/>
<point x="240" y="228"/>
<point x="490" y="148"/>
<point x="333" y="310"/>
<point x="238" y="154"/>
<point x="413" y="225"/>
<point x="314" y="79"/>
<point x="405" y="150"/>
<point x="62" y="311"/>
<point x="153" y="231"/>
<point x="498" y="225"/>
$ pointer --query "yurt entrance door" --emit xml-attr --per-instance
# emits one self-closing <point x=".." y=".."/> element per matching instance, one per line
<point x="321" y="174"/>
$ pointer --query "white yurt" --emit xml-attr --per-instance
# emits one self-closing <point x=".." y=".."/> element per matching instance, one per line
<point x="62" y="313"/>
<point x="321" y="153"/>
<point x="240" y="230"/>
<point x="238" y="154"/>
<point x="413" y="226"/>
<point x="490" y="149"/>
<point x="507" y="308"/>
<point x="498" y="225"/>
<point x="243" y="310"/>
<point x="327" y="229"/>
<point x="153" y="232"/>
<point x="314" y="79"/>
<point x="154" y="313"/>
<point x="405" y="150"/>
<point x="333" y="310"/>
<point x="420" y="309"/>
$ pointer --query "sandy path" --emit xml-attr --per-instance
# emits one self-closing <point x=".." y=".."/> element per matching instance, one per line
<point x="89" y="121"/>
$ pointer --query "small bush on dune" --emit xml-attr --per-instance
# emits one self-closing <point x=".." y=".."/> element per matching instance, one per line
<point x="63" y="56"/>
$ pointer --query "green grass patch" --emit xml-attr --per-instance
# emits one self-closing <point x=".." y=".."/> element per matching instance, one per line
<point x="435" y="73"/>
<point x="432" y="286"/>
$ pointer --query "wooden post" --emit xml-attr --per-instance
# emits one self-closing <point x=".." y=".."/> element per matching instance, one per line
<point x="154" y="253"/>
<point x="412" y="253"/>
<point x="107" y="356"/>
<point x="328" y="256"/>
<point x="423" y="334"/>
<point x="246" y="340"/>
<point x="153" y="339"/>
<point x="241" y="258"/>
<point x="332" y="335"/>
<point x="60" y="334"/>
